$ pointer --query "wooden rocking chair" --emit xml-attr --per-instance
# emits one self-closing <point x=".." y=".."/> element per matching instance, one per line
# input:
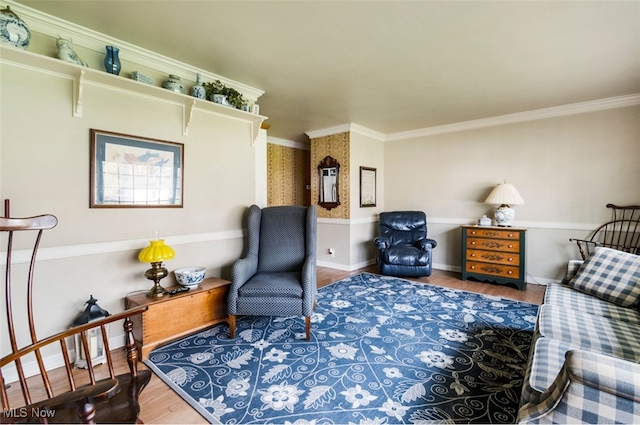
<point x="87" y="396"/>
<point x="621" y="233"/>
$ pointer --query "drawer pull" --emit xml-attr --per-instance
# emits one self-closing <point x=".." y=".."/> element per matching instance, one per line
<point x="510" y="246"/>
<point x="473" y="242"/>
<point x="510" y="259"/>
<point x="510" y="235"/>
<point x="509" y="272"/>
<point x="473" y="255"/>
<point x="473" y="267"/>
<point x="473" y="232"/>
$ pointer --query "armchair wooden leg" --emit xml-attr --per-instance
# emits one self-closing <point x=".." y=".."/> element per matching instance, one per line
<point x="307" y="321"/>
<point x="232" y="326"/>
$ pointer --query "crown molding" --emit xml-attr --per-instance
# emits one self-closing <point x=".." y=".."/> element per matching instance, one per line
<point x="346" y="128"/>
<point x="55" y="27"/>
<point x="288" y="143"/>
<point x="364" y="131"/>
<point x="329" y="131"/>
<point x="537" y="114"/>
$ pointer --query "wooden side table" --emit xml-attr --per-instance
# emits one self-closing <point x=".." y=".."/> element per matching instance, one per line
<point x="495" y="254"/>
<point x="174" y="316"/>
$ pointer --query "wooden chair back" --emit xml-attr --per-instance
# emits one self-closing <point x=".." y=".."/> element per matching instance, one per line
<point x="621" y="233"/>
<point x="83" y="396"/>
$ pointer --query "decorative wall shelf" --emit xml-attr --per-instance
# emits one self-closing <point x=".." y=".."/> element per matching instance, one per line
<point x="82" y="76"/>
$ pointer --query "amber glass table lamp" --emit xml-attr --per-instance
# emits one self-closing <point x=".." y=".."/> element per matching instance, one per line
<point x="156" y="253"/>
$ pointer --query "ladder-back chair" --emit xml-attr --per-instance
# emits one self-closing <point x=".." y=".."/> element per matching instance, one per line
<point x="82" y="396"/>
<point x="621" y="233"/>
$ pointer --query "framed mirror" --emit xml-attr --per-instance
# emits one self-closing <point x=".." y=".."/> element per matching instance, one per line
<point x="329" y="173"/>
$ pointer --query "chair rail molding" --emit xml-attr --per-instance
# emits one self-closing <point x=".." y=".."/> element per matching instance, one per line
<point x="98" y="248"/>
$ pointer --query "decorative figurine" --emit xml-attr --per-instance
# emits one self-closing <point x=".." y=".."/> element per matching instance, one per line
<point x="66" y="53"/>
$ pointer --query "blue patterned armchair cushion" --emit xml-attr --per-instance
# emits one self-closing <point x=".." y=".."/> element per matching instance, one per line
<point x="610" y="275"/>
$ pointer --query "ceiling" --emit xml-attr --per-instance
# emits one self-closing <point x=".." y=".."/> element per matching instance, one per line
<point x="390" y="66"/>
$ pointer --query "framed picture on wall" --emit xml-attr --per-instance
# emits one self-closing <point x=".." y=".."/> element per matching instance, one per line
<point x="367" y="187"/>
<point x="135" y="172"/>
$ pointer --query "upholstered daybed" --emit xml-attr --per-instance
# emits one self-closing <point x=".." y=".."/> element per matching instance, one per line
<point x="583" y="366"/>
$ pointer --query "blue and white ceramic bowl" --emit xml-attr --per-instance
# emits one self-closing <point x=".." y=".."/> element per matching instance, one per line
<point x="190" y="276"/>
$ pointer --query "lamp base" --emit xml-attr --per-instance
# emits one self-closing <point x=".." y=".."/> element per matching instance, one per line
<point x="504" y="215"/>
<point x="156" y="273"/>
<point x="157" y="291"/>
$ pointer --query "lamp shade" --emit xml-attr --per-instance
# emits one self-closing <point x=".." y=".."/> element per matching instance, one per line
<point x="504" y="194"/>
<point x="156" y="252"/>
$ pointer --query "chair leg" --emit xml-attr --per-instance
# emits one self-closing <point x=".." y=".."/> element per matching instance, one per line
<point x="307" y="321"/>
<point x="232" y="326"/>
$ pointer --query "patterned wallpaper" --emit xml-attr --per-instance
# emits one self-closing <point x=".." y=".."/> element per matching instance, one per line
<point x="288" y="174"/>
<point x="337" y="147"/>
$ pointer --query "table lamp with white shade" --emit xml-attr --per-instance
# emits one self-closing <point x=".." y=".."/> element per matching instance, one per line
<point x="504" y="195"/>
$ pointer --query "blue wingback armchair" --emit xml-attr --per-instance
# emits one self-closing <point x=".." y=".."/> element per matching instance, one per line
<point x="403" y="246"/>
<point x="277" y="277"/>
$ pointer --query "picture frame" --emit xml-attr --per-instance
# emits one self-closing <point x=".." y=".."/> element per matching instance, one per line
<point x="367" y="187"/>
<point x="135" y="172"/>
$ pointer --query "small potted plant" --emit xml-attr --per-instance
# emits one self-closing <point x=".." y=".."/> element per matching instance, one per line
<point x="219" y="93"/>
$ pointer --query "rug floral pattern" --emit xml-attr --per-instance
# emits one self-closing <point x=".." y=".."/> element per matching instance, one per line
<point x="383" y="351"/>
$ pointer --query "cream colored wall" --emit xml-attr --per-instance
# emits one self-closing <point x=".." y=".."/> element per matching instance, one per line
<point x="44" y="168"/>
<point x="366" y="151"/>
<point x="566" y="169"/>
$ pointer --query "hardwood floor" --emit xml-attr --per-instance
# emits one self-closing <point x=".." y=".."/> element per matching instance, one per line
<point x="161" y="405"/>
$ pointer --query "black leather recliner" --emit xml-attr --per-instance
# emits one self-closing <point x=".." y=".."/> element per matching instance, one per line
<point x="403" y="246"/>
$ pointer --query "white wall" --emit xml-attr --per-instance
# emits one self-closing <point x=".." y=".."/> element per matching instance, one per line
<point x="566" y="169"/>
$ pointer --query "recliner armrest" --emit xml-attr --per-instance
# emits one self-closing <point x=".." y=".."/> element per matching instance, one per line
<point x="382" y="242"/>
<point x="423" y="243"/>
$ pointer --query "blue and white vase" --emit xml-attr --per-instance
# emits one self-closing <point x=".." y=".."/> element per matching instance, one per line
<point x="13" y="30"/>
<point x="174" y="84"/>
<point x="198" y="90"/>
<point x="112" y="61"/>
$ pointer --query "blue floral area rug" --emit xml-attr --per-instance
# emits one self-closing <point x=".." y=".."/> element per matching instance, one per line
<point x="383" y="351"/>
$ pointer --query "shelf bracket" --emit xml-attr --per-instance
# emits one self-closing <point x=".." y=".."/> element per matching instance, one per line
<point x="255" y="129"/>
<point x="78" y="93"/>
<point x="187" y="111"/>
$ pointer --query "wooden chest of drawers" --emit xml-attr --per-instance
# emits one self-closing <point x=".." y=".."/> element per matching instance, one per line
<point x="495" y="254"/>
